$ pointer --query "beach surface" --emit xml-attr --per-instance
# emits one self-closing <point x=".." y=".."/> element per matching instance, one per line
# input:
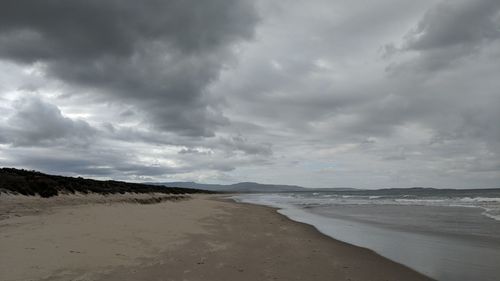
<point x="95" y="237"/>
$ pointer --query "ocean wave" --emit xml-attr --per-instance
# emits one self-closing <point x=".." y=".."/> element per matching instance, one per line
<point x="491" y="215"/>
<point x="490" y="205"/>
<point x="480" y="199"/>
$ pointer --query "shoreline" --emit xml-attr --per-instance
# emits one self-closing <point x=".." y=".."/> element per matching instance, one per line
<point x="203" y="238"/>
<point x="444" y="243"/>
<point x="326" y="236"/>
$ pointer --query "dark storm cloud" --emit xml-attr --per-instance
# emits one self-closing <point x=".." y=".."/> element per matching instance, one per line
<point x="35" y="122"/>
<point x="78" y="29"/>
<point x="156" y="55"/>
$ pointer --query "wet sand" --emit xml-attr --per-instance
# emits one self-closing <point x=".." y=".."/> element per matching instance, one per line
<point x="203" y="238"/>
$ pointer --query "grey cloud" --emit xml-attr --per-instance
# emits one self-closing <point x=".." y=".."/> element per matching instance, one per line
<point x="240" y="143"/>
<point x="113" y="160"/>
<point x="35" y="122"/>
<point x="101" y="164"/>
<point x="223" y="144"/>
<point x="75" y="29"/>
<point x="295" y="103"/>
<point x="453" y="23"/>
<point x="448" y="86"/>
<point x="307" y="92"/>
<point x="448" y="33"/>
<point x="158" y="56"/>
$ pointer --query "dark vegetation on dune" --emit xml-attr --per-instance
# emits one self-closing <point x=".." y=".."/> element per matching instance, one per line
<point x="35" y="183"/>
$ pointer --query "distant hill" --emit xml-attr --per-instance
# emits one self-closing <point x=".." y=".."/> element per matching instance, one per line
<point x="32" y="183"/>
<point x="247" y="187"/>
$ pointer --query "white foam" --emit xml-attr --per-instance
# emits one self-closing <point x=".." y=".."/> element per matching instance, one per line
<point x="495" y="217"/>
<point x="480" y="199"/>
<point x="491" y="205"/>
<point x="420" y="201"/>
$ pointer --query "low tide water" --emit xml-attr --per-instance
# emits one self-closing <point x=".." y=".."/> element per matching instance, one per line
<point x="445" y="237"/>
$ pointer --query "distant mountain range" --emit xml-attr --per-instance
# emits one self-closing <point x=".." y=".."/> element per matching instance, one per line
<point x="32" y="182"/>
<point x="412" y="192"/>
<point x="246" y="187"/>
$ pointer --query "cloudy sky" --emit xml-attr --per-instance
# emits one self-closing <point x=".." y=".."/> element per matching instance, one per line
<point x="320" y="93"/>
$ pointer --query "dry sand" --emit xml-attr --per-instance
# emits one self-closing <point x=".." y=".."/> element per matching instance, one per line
<point x="203" y="238"/>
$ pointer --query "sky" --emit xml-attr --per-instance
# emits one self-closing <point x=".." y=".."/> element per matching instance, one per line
<point x="319" y="93"/>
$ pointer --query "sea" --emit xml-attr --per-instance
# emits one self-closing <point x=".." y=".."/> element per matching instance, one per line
<point x="449" y="235"/>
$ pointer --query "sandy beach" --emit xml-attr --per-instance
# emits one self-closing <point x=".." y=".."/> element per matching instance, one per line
<point x="97" y="237"/>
